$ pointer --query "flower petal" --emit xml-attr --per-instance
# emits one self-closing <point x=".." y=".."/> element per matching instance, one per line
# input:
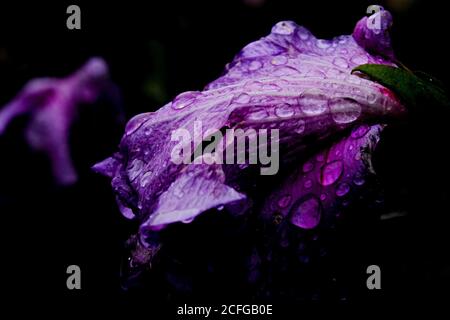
<point x="289" y="80"/>
<point x="327" y="182"/>
<point x="52" y="105"/>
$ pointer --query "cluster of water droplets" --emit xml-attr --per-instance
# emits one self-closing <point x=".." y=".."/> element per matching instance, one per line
<point x="325" y="177"/>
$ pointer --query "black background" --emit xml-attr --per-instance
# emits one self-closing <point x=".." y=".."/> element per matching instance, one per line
<point x="183" y="46"/>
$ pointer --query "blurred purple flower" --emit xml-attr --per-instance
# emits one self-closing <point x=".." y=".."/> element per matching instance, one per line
<point x="290" y="81"/>
<point x="52" y="104"/>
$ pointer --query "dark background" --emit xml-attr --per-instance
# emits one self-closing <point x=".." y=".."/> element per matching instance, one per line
<point x="156" y="49"/>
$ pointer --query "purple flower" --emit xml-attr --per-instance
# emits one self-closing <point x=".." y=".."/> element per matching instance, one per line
<point x="328" y="122"/>
<point x="52" y="104"/>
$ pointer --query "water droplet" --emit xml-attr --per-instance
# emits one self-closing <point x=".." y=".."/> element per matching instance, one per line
<point x="308" y="184"/>
<point x="331" y="172"/>
<point x="220" y="208"/>
<point x="359" y="180"/>
<point x="185" y="99"/>
<point x="300" y="127"/>
<point x="271" y="87"/>
<point x="345" y="110"/>
<point x="342" y="189"/>
<point x="371" y="97"/>
<point x="135" y="169"/>
<point x="242" y="98"/>
<point x="340" y="62"/>
<point x="283" y="28"/>
<point x="360" y="131"/>
<point x="136" y="122"/>
<point x="306" y="213"/>
<point x="313" y="102"/>
<point x="356" y="91"/>
<point x="258" y="114"/>
<point x="145" y="179"/>
<point x="323" y="44"/>
<point x="308" y="166"/>
<point x="284" y="110"/>
<point x="255" y="65"/>
<point x="178" y="192"/>
<point x="279" y="60"/>
<point x="284" y="201"/>
<point x="303" y="34"/>
<point x="323" y="196"/>
<point x="188" y="220"/>
<point x="316" y="74"/>
<point x="359" y="59"/>
<point x="148" y="131"/>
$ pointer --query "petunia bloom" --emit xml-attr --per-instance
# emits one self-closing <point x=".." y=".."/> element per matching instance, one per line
<point x="52" y="105"/>
<point x="290" y="81"/>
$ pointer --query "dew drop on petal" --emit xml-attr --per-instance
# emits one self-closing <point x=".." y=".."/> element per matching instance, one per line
<point x="279" y="60"/>
<point x="323" y="44"/>
<point x="283" y="28"/>
<point x="308" y="184"/>
<point x="371" y="98"/>
<point x="284" y="110"/>
<point x="342" y="189"/>
<point x="252" y="85"/>
<point x="145" y="179"/>
<point x="271" y="87"/>
<point x="308" y="166"/>
<point x="188" y="220"/>
<point x="313" y="102"/>
<point x="135" y="123"/>
<point x="178" y="192"/>
<point x="185" y="99"/>
<point x="316" y="74"/>
<point x="344" y="110"/>
<point x="284" y="201"/>
<point x="300" y="126"/>
<point x="258" y="114"/>
<point x="255" y="65"/>
<point x="331" y="172"/>
<point x="306" y="213"/>
<point x="320" y="157"/>
<point x="242" y="98"/>
<point x="359" y="59"/>
<point x="340" y="62"/>
<point x="148" y="131"/>
<point x="359" y="180"/>
<point x="303" y="34"/>
<point x="135" y="169"/>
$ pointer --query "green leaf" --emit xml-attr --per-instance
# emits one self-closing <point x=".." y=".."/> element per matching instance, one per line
<point x="414" y="89"/>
